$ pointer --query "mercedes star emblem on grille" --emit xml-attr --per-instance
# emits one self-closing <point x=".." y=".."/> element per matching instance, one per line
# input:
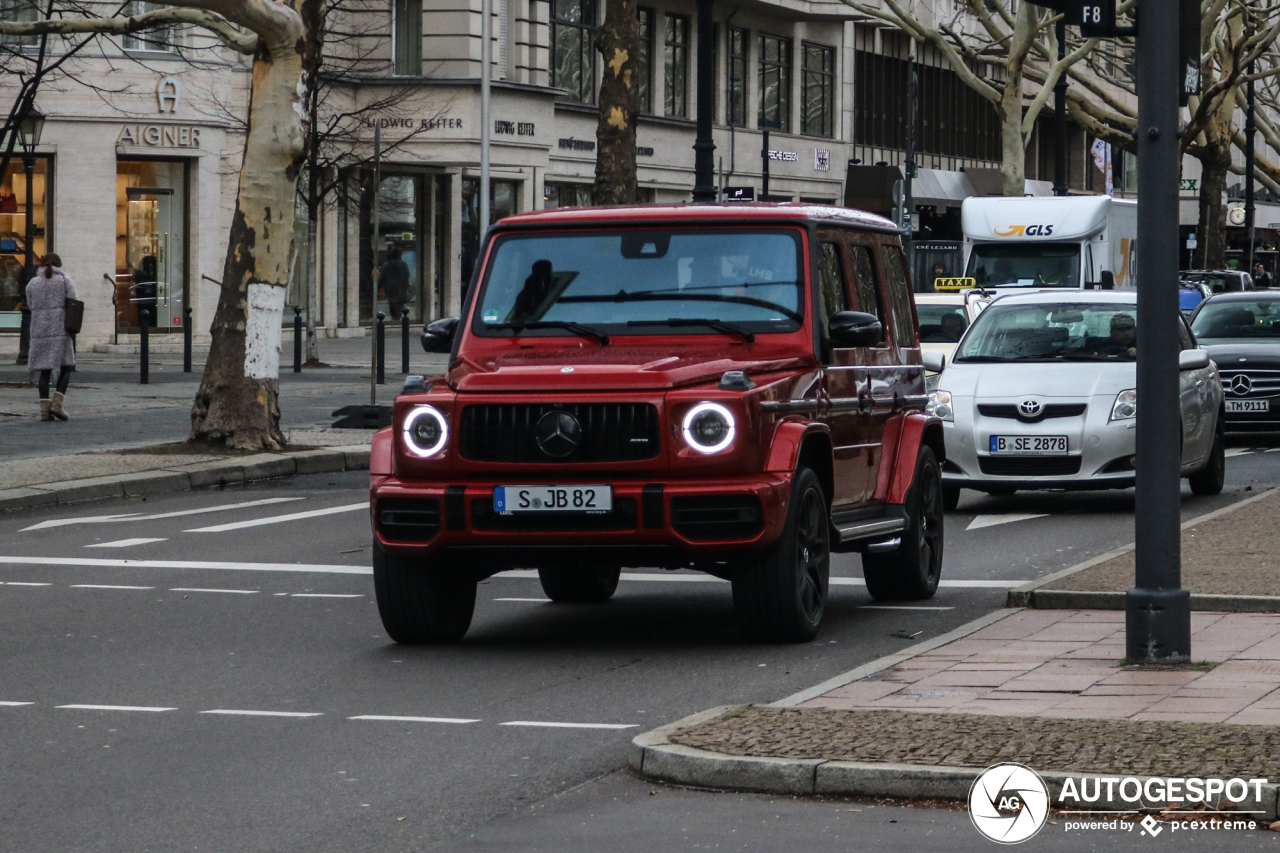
<point x="558" y="434"/>
<point x="1241" y="384"/>
<point x="1030" y="408"/>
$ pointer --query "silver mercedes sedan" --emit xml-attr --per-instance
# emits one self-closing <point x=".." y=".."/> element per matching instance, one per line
<point x="1042" y="394"/>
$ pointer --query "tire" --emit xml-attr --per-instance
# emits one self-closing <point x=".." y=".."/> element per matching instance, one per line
<point x="420" y="603"/>
<point x="1208" y="480"/>
<point x="579" y="584"/>
<point x="780" y="594"/>
<point x="911" y="572"/>
<point x="950" y="497"/>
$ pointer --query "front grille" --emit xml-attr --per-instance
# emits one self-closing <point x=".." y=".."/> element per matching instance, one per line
<point x="1051" y="410"/>
<point x="409" y="519"/>
<point x="717" y="517"/>
<point x="1029" y="466"/>
<point x="625" y="516"/>
<point x="611" y="432"/>
<point x="1266" y="383"/>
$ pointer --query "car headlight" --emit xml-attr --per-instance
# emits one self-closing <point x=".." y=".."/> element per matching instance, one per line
<point x="1126" y="405"/>
<point x="940" y="405"/>
<point x="708" y="428"/>
<point x="426" y="431"/>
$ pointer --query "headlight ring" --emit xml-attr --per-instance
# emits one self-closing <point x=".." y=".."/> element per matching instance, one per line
<point x="709" y="428"/>
<point x="426" y="431"/>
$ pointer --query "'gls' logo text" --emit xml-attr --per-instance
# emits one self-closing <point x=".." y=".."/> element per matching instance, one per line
<point x="1025" y="231"/>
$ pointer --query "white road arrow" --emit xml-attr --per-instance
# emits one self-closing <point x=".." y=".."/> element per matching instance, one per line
<point x="137" y="516"/>
<point x="980" y="521"/>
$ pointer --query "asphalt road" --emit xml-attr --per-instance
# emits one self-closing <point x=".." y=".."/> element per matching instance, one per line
<point x="235" y="690"/>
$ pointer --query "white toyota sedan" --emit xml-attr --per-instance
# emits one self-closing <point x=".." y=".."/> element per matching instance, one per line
<point x="1042" y="394"/>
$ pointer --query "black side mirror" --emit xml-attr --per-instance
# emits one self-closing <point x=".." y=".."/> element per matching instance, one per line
<point x="438" y="335"/>
<point x="855" y="329"/>
<point x="1108" y="280"/>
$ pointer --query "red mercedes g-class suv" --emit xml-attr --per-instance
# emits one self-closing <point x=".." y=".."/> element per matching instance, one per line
<point x="733" y="389"/>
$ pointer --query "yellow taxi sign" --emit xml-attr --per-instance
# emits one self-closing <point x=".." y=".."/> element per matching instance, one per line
<point x="945" y="285"/>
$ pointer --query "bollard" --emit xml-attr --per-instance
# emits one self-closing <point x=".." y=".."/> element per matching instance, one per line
<point x="144" y="328"/>
<point x="404" y="340"/>
<point x="297" y="339"/>
<point x="186" y="340"/>
<point x="24" y="336"/>
<point x="382" y="348"/>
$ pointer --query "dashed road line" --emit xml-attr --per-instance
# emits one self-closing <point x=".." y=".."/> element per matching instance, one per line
<point x="233" y="591"/>
<point x="24" y="583"/>
<point x="238" y="713"/>
<point x="538" y="600"/>
<point x="537" y="724"/>
<point x="326" y="595"/>
<point x="278" y="519"/>
<point x="901" y="607"/>
<point x="137" y="516"/>
<point x="126" y="543"/>
<point x="106" y="586"/>
<point x="15" y="704"/>
<point x="143" y="708"/>
<point x="199" y="565"/>
<point x="396" y="719"/>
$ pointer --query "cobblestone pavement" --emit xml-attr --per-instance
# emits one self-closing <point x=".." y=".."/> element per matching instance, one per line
<point x="1235" y="554"/>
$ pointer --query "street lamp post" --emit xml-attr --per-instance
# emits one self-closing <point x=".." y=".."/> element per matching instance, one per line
<point x="1060" y="115"/>
<point x="1250" y="130"/>
<point x="29" y="131"/>
<point x="704" y="147"/>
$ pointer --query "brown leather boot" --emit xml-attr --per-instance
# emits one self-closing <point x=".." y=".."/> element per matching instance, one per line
<point x="46" y="413"/>
<point x="56" y="407"/>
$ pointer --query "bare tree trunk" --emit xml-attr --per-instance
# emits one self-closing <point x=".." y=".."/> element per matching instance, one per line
<point x="1013" y="145"/>
<point x="313" y="215"/>
<point x="618" y="41"/>
<point x="1211" y="233"/>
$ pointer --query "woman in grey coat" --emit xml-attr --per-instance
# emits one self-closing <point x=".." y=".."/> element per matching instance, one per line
<point x="51" y="346"/>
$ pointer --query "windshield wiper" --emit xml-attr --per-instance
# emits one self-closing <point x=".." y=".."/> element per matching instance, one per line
<point x="567" y="325"/>
<point x="718" y="325"/>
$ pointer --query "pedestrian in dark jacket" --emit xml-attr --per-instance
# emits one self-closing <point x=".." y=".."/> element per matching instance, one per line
<point x="393" y="279"/>
<point x="51" y="346"/>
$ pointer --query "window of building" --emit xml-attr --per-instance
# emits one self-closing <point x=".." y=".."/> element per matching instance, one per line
<point x="775" y="82"/>
<point x="13" y="234"/>
<point x="644" y="70"/>
<point x="676" y="63"/>
<point x="407" y="22"/>
<point x="19" y="11"/>
<point x="163" y="38"/>
<point x="819" y="84"/>
<point x="737" y="77"/>
<point x="573" y="59"/>
<point x="504" y="201"/>
<point x="555" y="194"/>
<point x="151" y="255"/>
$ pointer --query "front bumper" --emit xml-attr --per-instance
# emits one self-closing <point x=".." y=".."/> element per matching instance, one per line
<point x="1268" y="421"/>
<point x="672" y="522"/>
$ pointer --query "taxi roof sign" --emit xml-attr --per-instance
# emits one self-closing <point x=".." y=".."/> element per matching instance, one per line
<point x="951" y="285"/>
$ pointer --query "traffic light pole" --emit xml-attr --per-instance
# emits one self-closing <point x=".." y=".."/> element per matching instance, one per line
<point x="1157" y="609"/>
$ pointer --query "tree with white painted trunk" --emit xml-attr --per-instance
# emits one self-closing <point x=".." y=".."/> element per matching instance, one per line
<point x="237" y="402"/>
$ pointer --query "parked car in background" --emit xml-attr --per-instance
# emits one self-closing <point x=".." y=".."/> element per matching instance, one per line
<point x="1190" y="295"/>
<point x="1218" y="281"/>
<point x="1241" y="331"/>
<point x="1042" y="395"/>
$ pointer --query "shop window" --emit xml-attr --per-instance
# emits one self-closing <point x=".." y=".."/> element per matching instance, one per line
<point x="573" y="58"/>
<point x="407" y="23"/>
<point x="737" y="77"/>
<point x="775" y="82"/>
<point x="19" y="11"/>
<point x="398" y="239"/>
<point x="504" y="198"/>
<point x="567" y="195"/>
<point x="162" y="38"/>
<point x="644" y="55"/>
<point x="676" y="63"/>
<point x="151" y="257"/>
<point x="819" y="85"/>
<point x="13" y="234"/>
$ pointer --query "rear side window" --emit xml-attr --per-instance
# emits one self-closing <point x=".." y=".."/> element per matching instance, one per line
<point x="831" y="282"/>
<point x="899" y="293"/>
<point x="864" y="278"/>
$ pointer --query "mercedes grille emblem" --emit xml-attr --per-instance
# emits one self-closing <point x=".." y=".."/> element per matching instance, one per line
<point x="1241" y="384"/>
<point x="1030" y="408"/>
<point x="558" y="434"/>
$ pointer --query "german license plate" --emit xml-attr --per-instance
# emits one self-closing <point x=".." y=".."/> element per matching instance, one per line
<point x="1248" y="405"/>
<point x="509" y="500"/>
<point x="1029" y="445"/>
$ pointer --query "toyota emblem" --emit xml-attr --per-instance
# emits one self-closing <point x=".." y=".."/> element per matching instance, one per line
<point x="558" y="434"/>
<point x="1030" y="408"/>
<point x="1241" y="384"/>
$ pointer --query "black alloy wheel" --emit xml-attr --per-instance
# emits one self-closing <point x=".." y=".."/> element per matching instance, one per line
<point x="1209" y="479"/>
<point x="911" y="572"/>
<point x="421" y="603"/>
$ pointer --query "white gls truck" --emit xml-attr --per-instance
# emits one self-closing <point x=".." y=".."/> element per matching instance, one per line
<point x="1059" y="241"/>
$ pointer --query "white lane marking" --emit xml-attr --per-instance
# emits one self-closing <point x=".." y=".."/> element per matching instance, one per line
<point x="195" y="589"/>
<point x="626" y="576"/>
<point x="114" y="708"/>
<point x="188" y="564"/>
<point x="263" y="713"/>
<point x="980" y="521"/>
<point x="983" y="584"/>
<point x="277" y="519"/>
<point x="137" y="516"/>
<point x="15" y="704"/>
<point x="106" y="586"/>
<point x="540" y="600"/>
<point x="1238" y="451"/>
<point x="900" y="607"/>
<point x="125" y="543"/>
<point x="326" y="595"/>
<point x="394" y="719"/>
<point x="24" y="583"/>
<point x="1272" y="450"/>
<point x="571" y="725"/>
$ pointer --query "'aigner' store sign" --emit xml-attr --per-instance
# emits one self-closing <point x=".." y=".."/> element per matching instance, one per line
<point x="168" y="97"/>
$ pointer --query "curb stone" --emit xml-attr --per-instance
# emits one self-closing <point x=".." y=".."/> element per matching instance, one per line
<point x="653" y="756"/>
<point x="181" y="478"/>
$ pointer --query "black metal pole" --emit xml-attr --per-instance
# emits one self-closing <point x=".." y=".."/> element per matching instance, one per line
<point x="186" y="340"/>
<point x="382" y="348"/>
<point x="404" y="340"/>
<point x="297" y="339"/>
<point x="144" y="336"/>
<point x="704" y="163"/>
<point x="1157" y="609"/>
<point x="29" y="259"/>
<point x="764" y="156"/>
<point x="1060" y="116"/>
<point x="907" y="205"/>
<point x="1250" y="130"/>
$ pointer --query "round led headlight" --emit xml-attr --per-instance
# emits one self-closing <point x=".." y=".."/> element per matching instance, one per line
<point x="708" y="428"/>
<point x="425" y="431"/>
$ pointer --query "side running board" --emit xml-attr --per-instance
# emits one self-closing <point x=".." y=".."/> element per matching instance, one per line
<point x="875" y="534"/>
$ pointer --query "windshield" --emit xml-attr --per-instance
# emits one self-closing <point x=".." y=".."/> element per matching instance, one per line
<point x="1215" y="282"/>
<point x="631" y="282"/>
<point x="1249" y="320"/>
<point x="1053" y="332"/>
<point x="941" y="324"/>
<point x="1025" y="264"/>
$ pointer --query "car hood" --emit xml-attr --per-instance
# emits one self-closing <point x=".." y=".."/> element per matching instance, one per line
<point x="1236" y="354"/>
<point x="1074" y="380"/>
<point x="613" y="368"/>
